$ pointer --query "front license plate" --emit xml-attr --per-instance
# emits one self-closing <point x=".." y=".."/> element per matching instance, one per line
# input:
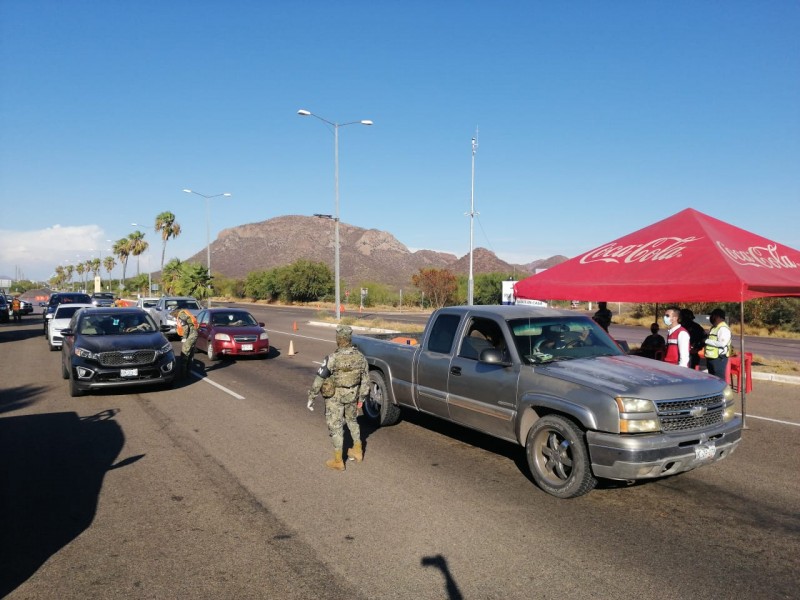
<point x="246" y="347"/>
<point x="704" y="453"/>
<point x="129" y="372"/>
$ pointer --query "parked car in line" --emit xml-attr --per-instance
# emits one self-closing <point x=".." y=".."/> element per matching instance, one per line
<point x="230" y="332"/>
<point x="147" y="303"/>
<point x="164" y="311"/>
<point x="57" y="298"/>
<point x="5" y="309"/>
<point x="115" y="347"/>
<point x="61" y="318"/>
<point x="103" y="299"/>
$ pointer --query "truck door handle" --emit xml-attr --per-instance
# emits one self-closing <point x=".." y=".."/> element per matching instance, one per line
<point x="455" y="370"/>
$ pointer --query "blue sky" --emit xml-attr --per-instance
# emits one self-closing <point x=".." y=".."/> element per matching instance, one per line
<point x="595" y="119"/>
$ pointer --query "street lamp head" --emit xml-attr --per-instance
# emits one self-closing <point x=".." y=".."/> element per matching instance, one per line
<point x="226" y="194"/>
<point x="187" y="191"/>
<point x="366" y="122"/>
<point x="303" y="112"/>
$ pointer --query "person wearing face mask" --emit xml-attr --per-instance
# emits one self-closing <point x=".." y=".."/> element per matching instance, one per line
<point x="718" y="344"/>
<point x="677" y="339"/>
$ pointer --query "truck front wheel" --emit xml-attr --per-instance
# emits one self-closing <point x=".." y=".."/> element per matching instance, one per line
<point x="378" y="407"/>
<point x="558" y="457"/>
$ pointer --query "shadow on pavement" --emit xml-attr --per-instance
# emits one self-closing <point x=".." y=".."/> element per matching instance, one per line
<point x="18" y="397"/>
<point x="51" y="471"/>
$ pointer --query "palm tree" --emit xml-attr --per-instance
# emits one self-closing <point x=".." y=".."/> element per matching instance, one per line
<point x="137" y="246"/>
<point x="108" y="264"/>
<point x="68" y="271"/>
<point x="60" y="276"/>
<point x="170" y="275"/>
<point x="80" y="269"/>
<point x="121" y="250"/>
<point x="165" y="223"/>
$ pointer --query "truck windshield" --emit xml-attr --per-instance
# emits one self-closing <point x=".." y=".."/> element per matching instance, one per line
<point x="548" y="339"/>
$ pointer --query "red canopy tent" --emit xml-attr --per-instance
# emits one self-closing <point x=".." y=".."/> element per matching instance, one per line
<point x="688" y="257"/>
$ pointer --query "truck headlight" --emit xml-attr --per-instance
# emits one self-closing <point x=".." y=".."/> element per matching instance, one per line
<point x="637" y="415"/>
<point x="731" y="400"/>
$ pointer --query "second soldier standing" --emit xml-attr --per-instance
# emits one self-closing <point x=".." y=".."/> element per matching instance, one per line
<point x="343" y="379"/>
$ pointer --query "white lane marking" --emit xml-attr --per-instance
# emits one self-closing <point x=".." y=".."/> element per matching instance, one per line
<point x="772" y="420"/>
<point x="307" y="337"/>
<point x="218" y="386"/>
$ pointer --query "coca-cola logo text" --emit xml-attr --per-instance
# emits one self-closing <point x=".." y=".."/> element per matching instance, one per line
<point x="758" y="256"/>
<point x="658" y="249"/>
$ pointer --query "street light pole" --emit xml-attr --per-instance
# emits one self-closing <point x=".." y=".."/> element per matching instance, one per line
<point x="208" y="233"/>
<point x="337" y="288"/>
<point x="472" y="213"/>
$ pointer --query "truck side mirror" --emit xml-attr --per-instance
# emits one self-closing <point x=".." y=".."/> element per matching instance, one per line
<point x="493" y="356"/>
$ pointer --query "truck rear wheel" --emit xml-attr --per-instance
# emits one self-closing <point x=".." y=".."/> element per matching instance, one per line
<point x="378" y="406"/>
<point x="558" y="457"/>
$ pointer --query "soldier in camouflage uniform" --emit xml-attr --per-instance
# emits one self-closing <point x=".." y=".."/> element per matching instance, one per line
<point x="188" y="339"/>
<point x="343" y="380"/>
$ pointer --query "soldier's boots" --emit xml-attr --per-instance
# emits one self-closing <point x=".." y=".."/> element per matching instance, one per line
<point x="356" y="452"/>
<point x="336" y="463"/>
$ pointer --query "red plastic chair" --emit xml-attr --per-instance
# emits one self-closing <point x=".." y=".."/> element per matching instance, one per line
<point x="734" y="372"/>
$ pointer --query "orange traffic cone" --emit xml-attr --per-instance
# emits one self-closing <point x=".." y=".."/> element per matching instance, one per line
<point x="294" y="325"/>
<point x="291" y="348"/>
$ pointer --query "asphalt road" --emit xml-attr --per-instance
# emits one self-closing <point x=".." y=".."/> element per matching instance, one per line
<point x="219" y="491"/>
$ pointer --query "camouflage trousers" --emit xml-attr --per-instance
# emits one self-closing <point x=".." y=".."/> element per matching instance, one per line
<point x="187" y="351"/>
<point x="342" y="408"/>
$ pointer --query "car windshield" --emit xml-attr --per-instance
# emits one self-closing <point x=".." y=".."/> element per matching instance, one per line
<point x="187" y="304"/>
<point x="66" y="312"/>
<point x="233" y="319"/>
<point x="116" y="324"/>
<point x="549" y="339"/>
<point x="149" y="303"/>
<point x="70" y="299"/>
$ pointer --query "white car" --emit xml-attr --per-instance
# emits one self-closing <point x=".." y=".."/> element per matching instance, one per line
<point x="164" y="311"/>
<point x="60" y="320"/>
<point x="147" y="303"/>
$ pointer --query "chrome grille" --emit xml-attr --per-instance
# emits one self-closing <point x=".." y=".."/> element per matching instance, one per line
<point x="688" y="414"/>
<point x="245" y="338"/>
<point x="127" y="358"/>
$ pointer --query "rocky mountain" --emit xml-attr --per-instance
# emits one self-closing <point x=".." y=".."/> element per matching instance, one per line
<point x="365" y="254"/>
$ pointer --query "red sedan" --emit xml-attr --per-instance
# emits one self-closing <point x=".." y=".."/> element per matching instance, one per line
<point x="230" y="332"/>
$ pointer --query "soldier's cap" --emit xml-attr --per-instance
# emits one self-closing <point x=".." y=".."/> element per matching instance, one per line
<point x="344" y="331"/>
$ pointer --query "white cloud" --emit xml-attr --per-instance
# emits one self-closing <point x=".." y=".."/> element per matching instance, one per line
<point x="36" y="253"/>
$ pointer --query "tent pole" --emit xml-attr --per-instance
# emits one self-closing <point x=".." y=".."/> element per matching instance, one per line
<point x="742" y="370"/>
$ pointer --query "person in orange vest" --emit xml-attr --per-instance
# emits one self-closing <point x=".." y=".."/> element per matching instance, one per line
<point x="677" y="339"/>
<point x="16" y="308"/>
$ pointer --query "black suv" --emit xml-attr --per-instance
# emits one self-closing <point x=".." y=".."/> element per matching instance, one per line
<point x="4" y="308"/>
<point x="62" y="298"/>
<point x="115" y="347"/>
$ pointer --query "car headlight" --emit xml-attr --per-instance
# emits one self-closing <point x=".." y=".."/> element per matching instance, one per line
<point x="223" y="337"/>
<point x="637" y="415"/>
<point x="83" y="353"/>
<point x="263" y="336"/>
<point x="165" y="349"/>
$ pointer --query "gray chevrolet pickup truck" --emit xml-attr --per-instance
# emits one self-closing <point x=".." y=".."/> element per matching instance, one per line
<point x="554" y="382"/>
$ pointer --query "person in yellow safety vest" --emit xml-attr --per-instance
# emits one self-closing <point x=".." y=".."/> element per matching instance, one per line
<point x="16" y="308"/>
<point x="718" y="344"/>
